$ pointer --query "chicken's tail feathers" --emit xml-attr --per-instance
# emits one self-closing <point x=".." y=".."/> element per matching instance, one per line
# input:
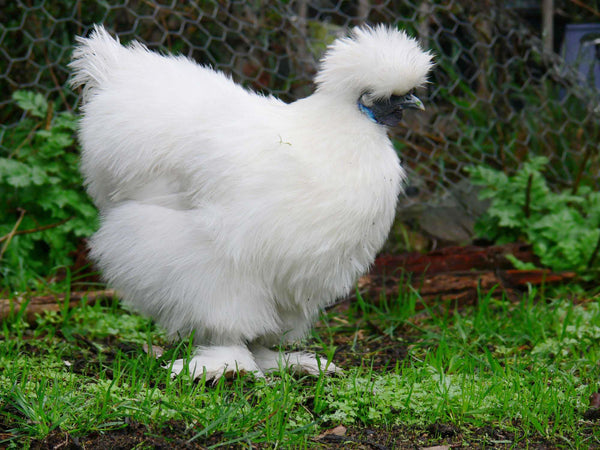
<point x="93" y="59"/>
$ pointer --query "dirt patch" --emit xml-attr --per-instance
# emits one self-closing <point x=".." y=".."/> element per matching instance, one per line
<point x="134" y="435"/>
<point x="176" y="436"/>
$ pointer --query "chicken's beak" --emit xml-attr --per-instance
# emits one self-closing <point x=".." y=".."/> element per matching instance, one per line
<point x="389" y="111"/>
<point x="410" y="101"/>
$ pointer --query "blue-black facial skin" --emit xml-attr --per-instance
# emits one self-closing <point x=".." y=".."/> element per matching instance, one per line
<point x="389" y="111"/>
<point x="368" y="111"/>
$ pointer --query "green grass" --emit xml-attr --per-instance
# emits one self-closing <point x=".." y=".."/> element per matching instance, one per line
<point x="525" y="368"/>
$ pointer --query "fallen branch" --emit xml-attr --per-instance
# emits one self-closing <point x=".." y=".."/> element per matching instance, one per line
<point x="39" y="304"/>
<point x="33" y="230"/>
<point x="454" y="259"/>
<point x="458" y="274"/>
<point x="462" y="287"/>
<point x="12" y="233"/>
<point x="584" y="6"/>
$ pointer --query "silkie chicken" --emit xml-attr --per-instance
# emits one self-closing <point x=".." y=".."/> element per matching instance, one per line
<point x="233" y="216"/>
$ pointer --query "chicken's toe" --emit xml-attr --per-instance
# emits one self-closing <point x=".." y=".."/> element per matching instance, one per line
<point x="217" y="361"/>
<point x="299" y="362"/>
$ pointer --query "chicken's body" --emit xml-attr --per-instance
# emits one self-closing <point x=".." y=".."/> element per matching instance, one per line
<point x="224" y="213"/>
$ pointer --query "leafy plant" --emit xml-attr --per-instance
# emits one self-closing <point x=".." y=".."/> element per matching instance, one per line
<point x="44" y="210"/>
<point x="564" y="228"/>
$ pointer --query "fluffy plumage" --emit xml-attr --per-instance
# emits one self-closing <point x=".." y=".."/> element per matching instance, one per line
<point x="236" y="216"/>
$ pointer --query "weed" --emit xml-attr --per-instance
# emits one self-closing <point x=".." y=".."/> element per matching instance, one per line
<point x="45" y="210"/>
<point x="564" y="228"/>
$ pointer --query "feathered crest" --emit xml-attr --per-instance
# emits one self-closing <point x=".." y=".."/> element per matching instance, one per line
<point x="381" y="59"/>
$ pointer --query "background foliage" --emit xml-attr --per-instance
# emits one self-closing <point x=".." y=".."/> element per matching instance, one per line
<point x="564" y="227"/>
<point x="40" y="184"/>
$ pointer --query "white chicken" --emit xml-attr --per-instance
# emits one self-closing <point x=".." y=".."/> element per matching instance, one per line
<point x="235" y="216"/>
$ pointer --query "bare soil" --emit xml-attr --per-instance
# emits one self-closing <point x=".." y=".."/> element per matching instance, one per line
<point x="174" y="436"/>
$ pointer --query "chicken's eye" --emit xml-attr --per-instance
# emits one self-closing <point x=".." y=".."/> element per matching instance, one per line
<point x="366" y="99"/>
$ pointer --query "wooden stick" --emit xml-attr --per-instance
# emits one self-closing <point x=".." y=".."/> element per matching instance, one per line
<point x="34" y="230"/>
<point x="10" y="235"/>
<point x="39" y="304"/>
<point x="584" y="6"/>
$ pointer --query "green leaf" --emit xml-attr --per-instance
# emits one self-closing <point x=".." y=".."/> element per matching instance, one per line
<point x="66" y="120"/>
<point x="520" y="265"/>
<point x="56" y="140"/>
<point x="33" y="103"/>
<point x="15" y="173"/>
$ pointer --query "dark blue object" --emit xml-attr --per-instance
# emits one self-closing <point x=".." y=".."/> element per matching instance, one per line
<point x="581" y="50"/>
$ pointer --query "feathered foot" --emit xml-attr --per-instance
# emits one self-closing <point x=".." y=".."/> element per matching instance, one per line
<point x="218" y="361"/>
<point x="298" y="362"/>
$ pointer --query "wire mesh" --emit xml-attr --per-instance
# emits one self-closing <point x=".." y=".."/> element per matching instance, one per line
<point x="495" y="96"/>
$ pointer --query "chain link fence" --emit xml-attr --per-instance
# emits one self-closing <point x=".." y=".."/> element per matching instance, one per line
<point x="495" y="97"/>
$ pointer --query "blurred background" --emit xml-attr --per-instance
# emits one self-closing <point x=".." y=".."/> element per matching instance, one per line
<point x="514" y="80"/>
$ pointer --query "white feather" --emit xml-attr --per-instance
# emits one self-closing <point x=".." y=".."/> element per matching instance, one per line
<point x="229" y="214"/>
